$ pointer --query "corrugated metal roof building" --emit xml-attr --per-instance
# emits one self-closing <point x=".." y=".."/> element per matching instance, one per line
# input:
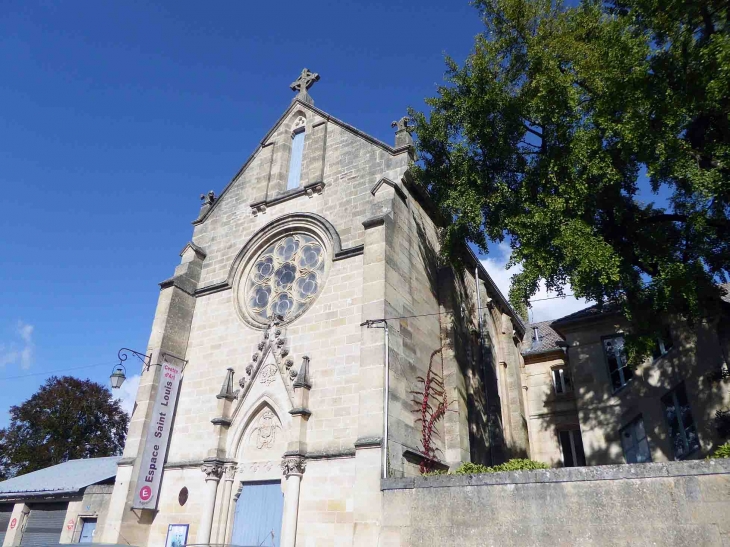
<point x="59" y="504"/>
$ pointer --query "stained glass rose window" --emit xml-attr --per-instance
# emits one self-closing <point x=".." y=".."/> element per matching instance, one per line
<point x="285" y="278"/>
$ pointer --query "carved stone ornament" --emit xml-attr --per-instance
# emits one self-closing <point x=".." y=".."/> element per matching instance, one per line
<point x="268" y="374"/>
<point x="401" y="124"/>
<point x="305" y="80"/>
<point x="266" y="430"/>
<point x="229" y="471"/>
<point x="213" y="471"/>
<point x="293" y="465"/>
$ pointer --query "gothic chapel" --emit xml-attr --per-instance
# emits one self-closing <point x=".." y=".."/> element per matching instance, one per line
<point x="287" y="346"/>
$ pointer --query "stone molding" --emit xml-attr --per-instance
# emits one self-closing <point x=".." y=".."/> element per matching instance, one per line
<point x="332" y="455"/>
<point x="368" y="442"/>
<point x="416" y="457"/>
<point x="301" y="412"/>
<point x="293" y="465"/>
<point x="196" y="249"/>
<point x="308" y="190"/>
<point x="398" y="190"/>
<point x="373" y="222"/>
<point x="357" y="250"/>
<point x="187" y="464"/>
<point x="179" y="283"/>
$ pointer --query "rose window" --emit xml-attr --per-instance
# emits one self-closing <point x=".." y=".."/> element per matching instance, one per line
<point x="285" y="278"/>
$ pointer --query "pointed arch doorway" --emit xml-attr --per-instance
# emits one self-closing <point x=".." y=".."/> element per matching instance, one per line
<point x="258" y="514"/>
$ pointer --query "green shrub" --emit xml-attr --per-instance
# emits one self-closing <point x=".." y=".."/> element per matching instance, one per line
<point x="469" y="468"/>
<point x="518" y="464"/>
<point x="723" y="451"/>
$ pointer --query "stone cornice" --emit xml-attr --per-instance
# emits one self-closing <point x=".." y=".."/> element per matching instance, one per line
<point x="357" y="250"/>
<point x="179" y="282"/>
<point x="368" y="442"/>
<point x="308" y="190"/>
<point x="300" y="412"/>
<point x="398" y="190"/>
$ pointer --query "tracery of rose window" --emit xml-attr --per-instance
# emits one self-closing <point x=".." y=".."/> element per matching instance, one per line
<point x="285" y="278"/>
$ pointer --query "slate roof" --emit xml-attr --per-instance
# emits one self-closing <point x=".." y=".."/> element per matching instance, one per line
<point x="547" y="339"/>
<point x="587" y="313"/>
<point x="65" y="478"/>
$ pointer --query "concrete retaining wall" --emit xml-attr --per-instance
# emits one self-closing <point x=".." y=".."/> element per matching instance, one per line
<point x="674" y="504"/>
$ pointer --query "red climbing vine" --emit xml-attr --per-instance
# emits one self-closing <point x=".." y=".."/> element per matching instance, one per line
<point x="432" y="404"/>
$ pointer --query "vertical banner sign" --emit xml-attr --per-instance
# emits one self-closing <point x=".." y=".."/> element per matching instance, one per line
<point x="158" y="434"/>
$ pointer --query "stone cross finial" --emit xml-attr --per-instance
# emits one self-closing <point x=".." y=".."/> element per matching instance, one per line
<point x="303" y="83"/>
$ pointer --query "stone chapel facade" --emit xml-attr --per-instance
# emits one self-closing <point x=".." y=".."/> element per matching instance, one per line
<point x="295" y="398"/>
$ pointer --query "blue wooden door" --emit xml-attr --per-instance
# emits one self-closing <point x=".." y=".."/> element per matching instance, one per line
<point x="87" y="531"/>
<point x="257" y="521"/>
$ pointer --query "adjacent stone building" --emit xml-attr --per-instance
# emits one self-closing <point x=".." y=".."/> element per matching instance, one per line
<point x="586" y="406"/>
<point x="287" y="345"/>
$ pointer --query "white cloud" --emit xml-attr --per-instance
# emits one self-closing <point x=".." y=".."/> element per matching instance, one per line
<point x="128" y="393"/>
<point x="541" y="310"/>
<point x="19" y="351"/>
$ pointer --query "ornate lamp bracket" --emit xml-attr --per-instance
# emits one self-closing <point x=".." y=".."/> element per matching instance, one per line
<point x="145" y="359"/>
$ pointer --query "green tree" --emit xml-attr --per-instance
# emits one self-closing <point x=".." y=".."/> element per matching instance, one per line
<point x="65" y="419"/>
<point x="543" y="133"/>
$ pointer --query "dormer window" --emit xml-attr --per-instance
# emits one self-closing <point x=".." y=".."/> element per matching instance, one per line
<point x="297" y="149"/>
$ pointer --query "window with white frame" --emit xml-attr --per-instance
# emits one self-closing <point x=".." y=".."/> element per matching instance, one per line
<point x="618" y="367"/>
<point x="561" y="380"/>
<point x="682" y="428"/>
<point x="635" y="443"/>
<point x="571" y="446"/>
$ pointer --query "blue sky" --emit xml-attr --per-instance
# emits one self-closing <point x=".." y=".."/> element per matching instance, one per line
<point x="115" y="117"/>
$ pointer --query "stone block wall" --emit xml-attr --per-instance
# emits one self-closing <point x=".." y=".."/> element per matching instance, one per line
<point x="678" y="504"/>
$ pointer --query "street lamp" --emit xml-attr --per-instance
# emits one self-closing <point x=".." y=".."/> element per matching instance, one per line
<point x="119" y="373"/>
<point x="118" y="376"/>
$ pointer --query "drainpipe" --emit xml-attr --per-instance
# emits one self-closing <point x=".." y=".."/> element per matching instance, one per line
<point x="383" y="324"/>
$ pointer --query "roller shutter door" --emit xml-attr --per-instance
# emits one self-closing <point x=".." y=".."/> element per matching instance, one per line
<point x="5" y="512"/>
<point x="44" y="525"/>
